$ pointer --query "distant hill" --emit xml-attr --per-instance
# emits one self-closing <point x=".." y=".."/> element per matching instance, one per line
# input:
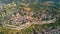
<point x="8" y="1"/>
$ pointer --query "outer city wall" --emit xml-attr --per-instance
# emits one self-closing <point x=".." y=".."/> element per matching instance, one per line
<point x="24" y="26"/>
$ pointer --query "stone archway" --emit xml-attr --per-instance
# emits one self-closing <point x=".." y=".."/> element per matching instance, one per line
<point x="17" y="33"/>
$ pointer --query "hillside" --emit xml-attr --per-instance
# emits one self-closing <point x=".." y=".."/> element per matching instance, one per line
<point x="29" y="16"/>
